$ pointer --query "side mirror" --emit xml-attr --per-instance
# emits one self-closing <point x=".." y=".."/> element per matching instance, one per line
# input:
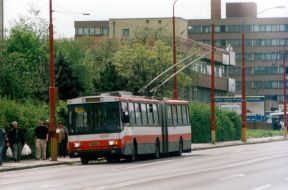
<point x="125" y="117"/>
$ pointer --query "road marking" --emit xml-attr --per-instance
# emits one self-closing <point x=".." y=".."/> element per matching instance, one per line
<point x="47" y="186"/>
<point x="167" y="176"/>
<point x="263" y="187"/>
<point x="232" y="176"/>
<point x="143" y="165"/>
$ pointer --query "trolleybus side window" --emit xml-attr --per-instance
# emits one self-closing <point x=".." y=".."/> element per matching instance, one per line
<point x="174" y="114"/>
<point x="150" y="114"/>
<point x="137" y="114"/>
<point x="169" y="115"/>
<point x="184" y="113"/>
<point x="144" y="114"/>
<point x="155" y="114"/>
<point x="179" y="111"/>
<point x="124" y="112"/>
<point x="131" y="113"/>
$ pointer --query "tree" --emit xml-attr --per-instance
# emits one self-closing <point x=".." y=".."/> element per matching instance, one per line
<point x="69" y="85"/>
<point x="110" y="80"/>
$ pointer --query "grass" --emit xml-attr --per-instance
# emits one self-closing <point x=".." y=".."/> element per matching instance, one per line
<point x="256" y="133"/>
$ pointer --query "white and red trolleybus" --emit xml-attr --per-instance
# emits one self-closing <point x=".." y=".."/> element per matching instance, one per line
<point x="120" y="125"/>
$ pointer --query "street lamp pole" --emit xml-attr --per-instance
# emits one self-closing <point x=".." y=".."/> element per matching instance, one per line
<point x="284" y="95"/>
<point x="243" y="99"/>
<point x="213" y="127"/>
<point x="175" y="87"/>
<point x="52" y="94"/>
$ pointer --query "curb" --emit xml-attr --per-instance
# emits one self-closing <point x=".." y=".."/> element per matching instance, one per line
<point x="37" y="166"/>
<point x="211" y="146"/>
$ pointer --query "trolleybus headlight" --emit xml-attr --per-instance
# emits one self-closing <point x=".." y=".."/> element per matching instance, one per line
<point x="77" y="144"/>
<point x="112" y="143"/>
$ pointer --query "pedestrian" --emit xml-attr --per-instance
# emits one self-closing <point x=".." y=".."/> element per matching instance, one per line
<point x="3" y="142"/>
<point x="46" y="123"/>
<point x="62" y="139"/>
<point x="16" y="140"/>
<point x="41" y="135"/>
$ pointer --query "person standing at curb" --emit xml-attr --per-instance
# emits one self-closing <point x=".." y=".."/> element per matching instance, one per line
<point x="41" y="135"/>
<point x="3" y="142"/>
<point x="16" y="141"/>
<point x="62" y="139"/>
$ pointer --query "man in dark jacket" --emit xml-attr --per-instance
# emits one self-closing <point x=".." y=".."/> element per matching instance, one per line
<point x="3" y="142"/>
<point x="16" y="141"/>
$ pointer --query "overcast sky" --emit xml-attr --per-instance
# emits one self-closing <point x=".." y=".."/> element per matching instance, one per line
<point x="67" y="11"/>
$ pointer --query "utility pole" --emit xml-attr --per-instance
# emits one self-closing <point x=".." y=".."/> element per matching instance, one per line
<point x="284" y="94"/>
<point x="52" y="94"/>
<point x="175" y="86"/>
<point x="213" y="126"/>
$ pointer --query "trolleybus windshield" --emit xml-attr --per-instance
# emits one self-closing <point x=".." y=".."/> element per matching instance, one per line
<point x="94" y="118"/>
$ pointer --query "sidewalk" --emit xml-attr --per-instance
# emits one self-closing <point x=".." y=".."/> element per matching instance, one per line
<point x="234" y="143"/>
<point x="28" y="164"/>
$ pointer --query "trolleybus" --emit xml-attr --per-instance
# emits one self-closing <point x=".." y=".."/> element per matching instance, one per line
<point x="119" y="125"/>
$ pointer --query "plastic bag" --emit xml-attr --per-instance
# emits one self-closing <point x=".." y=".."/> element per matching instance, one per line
<point x="26" y="150"/>
<point x="9" y="153"/>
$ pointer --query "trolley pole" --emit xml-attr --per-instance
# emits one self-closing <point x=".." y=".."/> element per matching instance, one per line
<point x="213" y="127"/>
<point x="52" y="94"/>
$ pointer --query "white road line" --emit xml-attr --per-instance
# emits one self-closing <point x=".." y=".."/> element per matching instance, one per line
<point x="167" y="176"/>
<point x="48" y="186"/>
<point x="143" y="165"/>
<point x="232" y="176"/>
<point x="263" y="187"/>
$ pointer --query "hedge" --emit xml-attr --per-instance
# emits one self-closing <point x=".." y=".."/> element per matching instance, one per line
<point x="228" y="126"/>
<point x="27" y="114"/>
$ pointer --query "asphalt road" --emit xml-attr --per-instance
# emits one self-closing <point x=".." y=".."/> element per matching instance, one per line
<point x="251" y="167"/>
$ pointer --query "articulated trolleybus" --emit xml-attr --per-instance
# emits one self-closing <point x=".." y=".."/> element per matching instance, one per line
<point x="119" y="125"/>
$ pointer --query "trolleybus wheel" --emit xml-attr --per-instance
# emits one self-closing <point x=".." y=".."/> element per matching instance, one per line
<point x="84" y="160"/>
<point x="157" y="150"/>
<point x="180" y="151"/>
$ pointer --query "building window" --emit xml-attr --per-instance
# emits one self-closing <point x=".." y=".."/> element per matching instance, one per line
<point x="86" y="31"/>
<point x="97" y="31"/>
<point x="125" y="33"/>
<point x="281" y="28"/>
<point x="206" y="29"/>
<point x="248" y="28"/>
<point x="286" y="28"/>
<point x="92" y="31"/>
<point x="274" y="27"/>
<point x="262" y="28"/>
<point x="105" y="31"/>
<point x="194" y="29"/>
<point x="80" y="31"/>
<point x="256" y="28"/>
<point x="233" y="28"/>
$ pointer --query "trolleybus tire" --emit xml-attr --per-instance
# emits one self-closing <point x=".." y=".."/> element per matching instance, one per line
<point x="180" y="151"/>
<point x="133" y="156"/>
<point x="84" y="160"/>
<point x="157" y="150"/>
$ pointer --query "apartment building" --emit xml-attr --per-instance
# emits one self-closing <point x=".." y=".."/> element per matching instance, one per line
<point x="265" y="40"/>
<point x="125" y="28"/>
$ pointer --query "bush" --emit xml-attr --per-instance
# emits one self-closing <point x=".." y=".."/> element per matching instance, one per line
<point x="228" y="125"/>
<point x="27" y="114"/>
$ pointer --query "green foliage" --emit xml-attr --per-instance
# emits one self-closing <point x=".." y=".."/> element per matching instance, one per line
<point x="227" y="124"/>
<point x="110" y="80"/>
<point x="257" y="133"/>
<point x="69" y="86"/>
<point x="27" y="114"/>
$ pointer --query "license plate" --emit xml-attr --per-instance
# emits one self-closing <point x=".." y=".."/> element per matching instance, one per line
<point x="94" y="144"/>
